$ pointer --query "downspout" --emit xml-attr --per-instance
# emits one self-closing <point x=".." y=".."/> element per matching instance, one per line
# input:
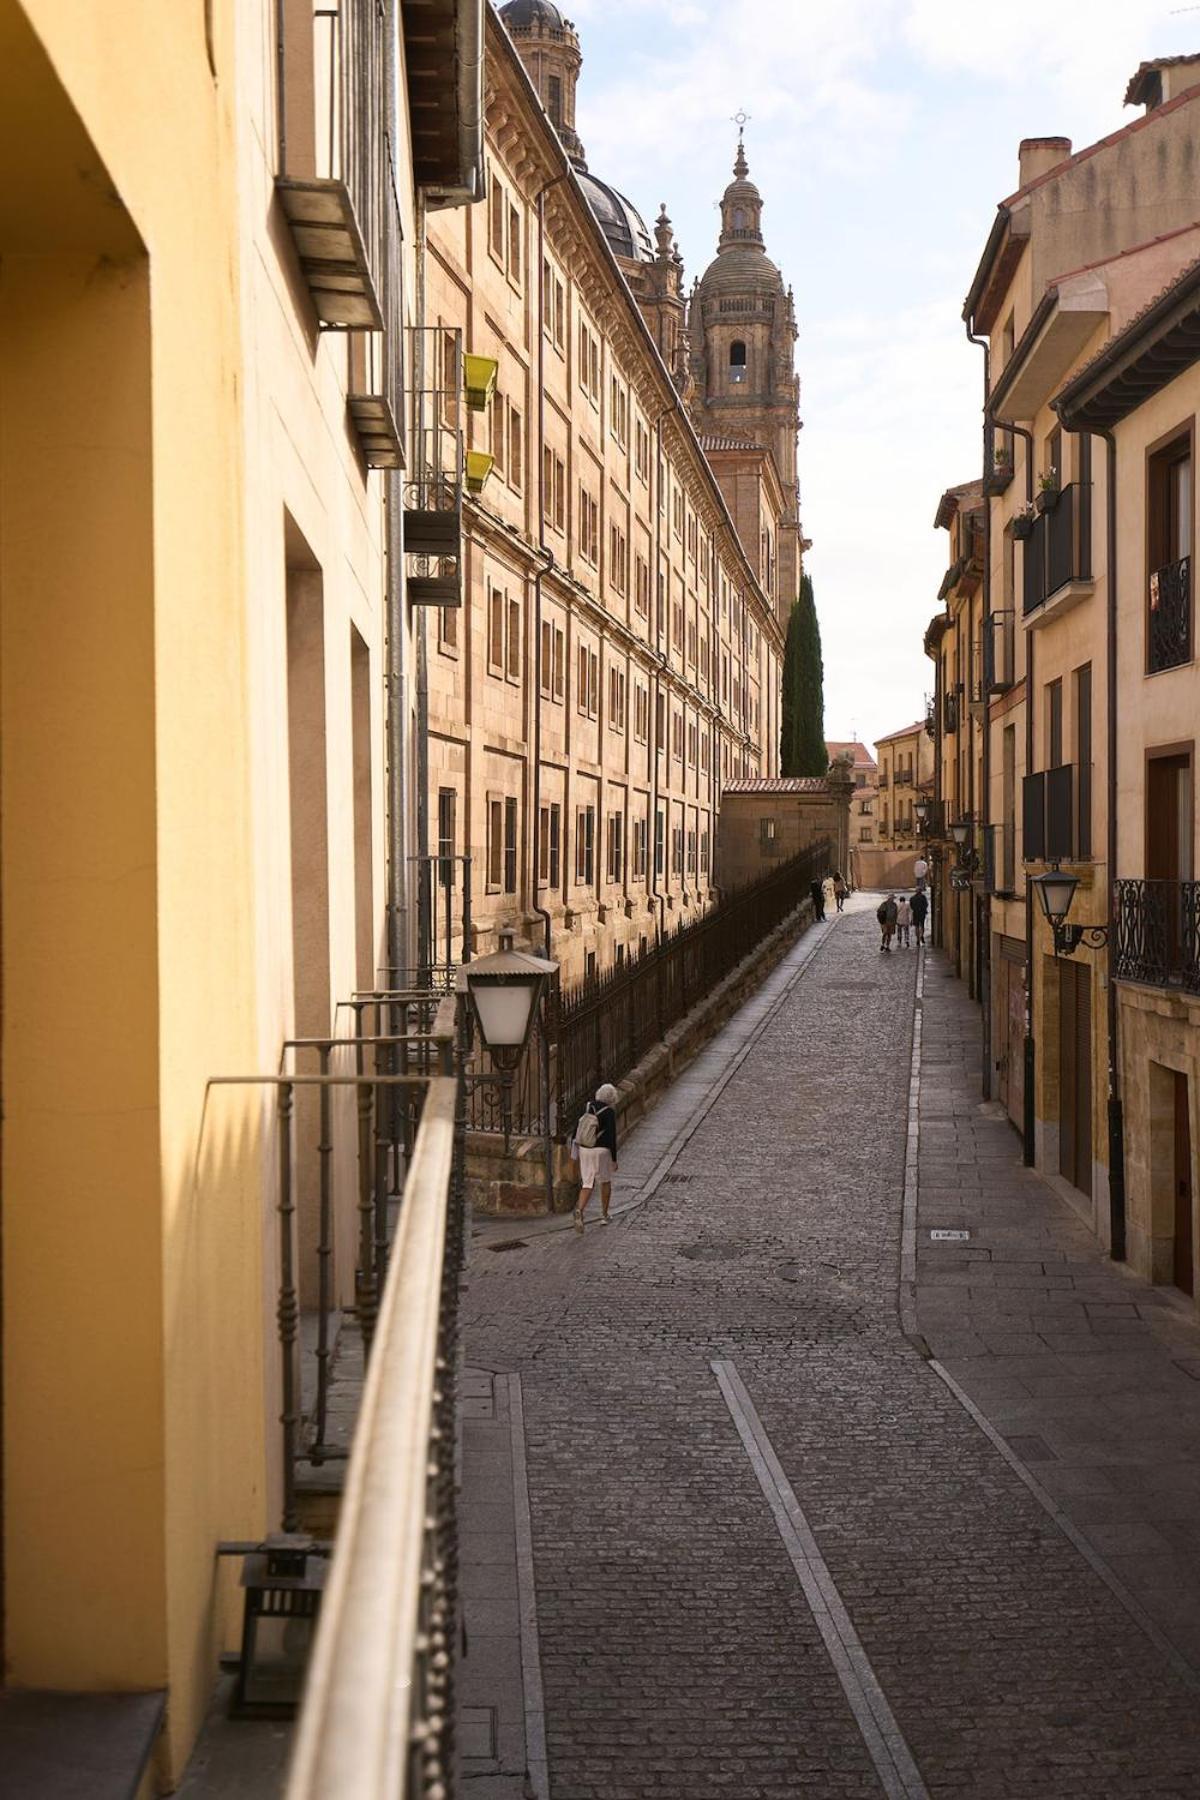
<point x="1116" y="1115"/>
<point x="985" y="798"/>
<point x="395" y="681"/>
<point x="656" y="750"/>
<point x="1029" y="1049"/>
<point x="424" y="944"/>
<point x="542" y="912"/>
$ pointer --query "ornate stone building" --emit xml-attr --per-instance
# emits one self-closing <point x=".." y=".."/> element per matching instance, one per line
<point x="616" y="657"/>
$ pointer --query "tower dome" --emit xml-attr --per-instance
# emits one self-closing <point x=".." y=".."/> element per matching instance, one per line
<point x="741" y="264"/>
<point x="521" y="14"/>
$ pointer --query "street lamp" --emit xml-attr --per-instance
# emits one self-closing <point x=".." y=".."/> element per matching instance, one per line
<point x="505" y="989"/>
<point x="1056" y="892"/>
<point x="960" y="831"/>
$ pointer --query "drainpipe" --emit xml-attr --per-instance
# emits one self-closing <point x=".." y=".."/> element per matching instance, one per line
<point x="396" y="684"/>
<point x="540" y="575"/>
<point x="655" y="750"/>
<point x="1028" y="1119"/>
<point x="424" y="944"/>
<point x="985" y="798"/>
<point x="1116" y="1116"/>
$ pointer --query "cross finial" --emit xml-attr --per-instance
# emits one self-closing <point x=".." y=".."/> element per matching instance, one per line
<point x="741" y="167"/>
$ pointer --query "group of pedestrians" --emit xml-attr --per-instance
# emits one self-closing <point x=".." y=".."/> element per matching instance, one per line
<point x="902" y="918"/>
<point x="823" y="888"/>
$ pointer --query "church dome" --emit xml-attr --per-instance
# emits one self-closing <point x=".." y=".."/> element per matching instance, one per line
<point x="618" y="218"/>
<point x="741" y="264"/>
<point x="525" y="13"/>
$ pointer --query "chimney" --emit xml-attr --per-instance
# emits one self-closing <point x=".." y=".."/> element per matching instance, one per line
<point x="1039" y="155"/>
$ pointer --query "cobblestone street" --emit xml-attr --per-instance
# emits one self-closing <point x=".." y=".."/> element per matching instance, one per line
<point x="805" y="1515"/>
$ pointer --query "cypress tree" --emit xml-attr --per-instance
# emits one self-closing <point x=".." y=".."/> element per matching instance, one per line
<point x="802" y="737"/>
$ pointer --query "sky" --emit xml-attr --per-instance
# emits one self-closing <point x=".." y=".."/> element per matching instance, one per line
<point x="882" y="135"/>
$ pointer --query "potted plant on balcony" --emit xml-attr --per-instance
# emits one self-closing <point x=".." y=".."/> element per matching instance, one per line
<point x="1022" y="525"/>
<point x="1048" y="491"/>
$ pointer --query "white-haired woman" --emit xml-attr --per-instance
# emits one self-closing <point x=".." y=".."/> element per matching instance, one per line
<point x="594" y="1149"/>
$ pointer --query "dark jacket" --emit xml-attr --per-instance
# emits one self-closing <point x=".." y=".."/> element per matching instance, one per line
<point x="920" y="907"/>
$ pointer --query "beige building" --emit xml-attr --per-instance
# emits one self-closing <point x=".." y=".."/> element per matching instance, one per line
<point x="768" y="819"/>
<point x="1072" y="262"/>
<point x="905" y="762"/>
<point x="861" y="830"/>
<point x="625" y="583"/>
<point x="205" y="288"/>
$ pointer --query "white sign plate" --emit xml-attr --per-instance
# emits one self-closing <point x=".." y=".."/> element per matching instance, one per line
<point x="949" y="1237"/>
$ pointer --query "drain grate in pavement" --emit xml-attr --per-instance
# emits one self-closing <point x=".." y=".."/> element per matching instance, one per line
<point x="1032" y="1449"/>
<point x="674" y="1180"/>
<point x="510" y="1244"/>
<point x="713" y="1252"/>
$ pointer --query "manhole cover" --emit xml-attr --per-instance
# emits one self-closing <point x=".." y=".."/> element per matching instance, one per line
<point x="713" y="1252"/>
<point x="509" y="1244"/>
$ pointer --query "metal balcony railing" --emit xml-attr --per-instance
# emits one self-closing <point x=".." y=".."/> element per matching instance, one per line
<point x="1058" y="548"/>
<point x="1057" y="814"/>
<point x="375" y="392"/>
<point x="333" y="181"/>
<point x="378" y="1711"/>
<point x="433" y="484"/>
<point x="1170" y="616"/>
<point x="1156" y="933"/>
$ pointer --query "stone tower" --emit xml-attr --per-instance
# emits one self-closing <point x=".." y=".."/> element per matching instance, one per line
<point x="549" y="48"/>
<point x="743" y="332"/>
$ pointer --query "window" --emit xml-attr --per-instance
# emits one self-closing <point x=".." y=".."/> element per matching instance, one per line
<point x="514" y="246"/>
<point x="447" y="808"/>
<point x="588" y="681"/>
<point x="496" y="632"/>
<point x="498" y="432"/>
<point x="659" y="840"/>
<point x="704" y="751"/>
<point x="1054" y="724"/>
<point x="513" y="662"/>
<point x="510" y="846"/>
<point x="1169" y="548"/>
<point x="693" y="537"/>
<point x="677" y="624"/>
<point x="693" y="740"/>
<point x="495" y="844"/>
<point x="554" y="98"/>
<point x="641" y="450"/>
<point x="704" y="852"/>
<point x="677" y="512"/>
<point x="641" y="712"/>
<point x="639" y="850"/>
<point x="616" y="699"/>
<point x="864" y="834"/>
<point x="554" y="482"/>
<point x="618" y="559"/>
<point x="618" y="411"/>
<point x="560" y="658"/>
<point x="677" y="849"/>
<point x="615" y="860"/>
<point x="660" y="605"/>
<point x="589" y="527"/>
<point x="692" y="642"/>
<point x="677" y="735"/>
<point x="496" y="207"/>
<point x="448" y="630"/>
<point x="549" y="845"/>
<point x="516" y="447"/>
<point x="767" y="831"/>
<point x="660" y="728"/>
<point x="691" y="852"/>
<point x="585" y="845"/>
<point x="589" y="362"/>
<point x="641" y="585"/>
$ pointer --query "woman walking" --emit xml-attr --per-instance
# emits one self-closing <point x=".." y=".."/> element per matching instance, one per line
<point x="594" y="1149"/>
<point x="904" y="919"/>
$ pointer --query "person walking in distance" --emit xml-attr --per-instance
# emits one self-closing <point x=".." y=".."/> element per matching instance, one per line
<point x="594" y="1151"/>
<point x="886" y="914"/>
<point x="920" y="873"/>
<point x="920" y="912"/>
<point x="840" y="890"/>
<point x="903" y="922"/>
<point x="817" y="890"/>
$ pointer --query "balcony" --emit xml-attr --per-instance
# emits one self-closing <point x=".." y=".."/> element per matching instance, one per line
<point x="433" y="485"/>
<point x="333" y="184"/>
<point x="1058" y="558"/>
<point x="375" y="393"/>
<point x="1169" y="622"/>
<point x="950" y="712"/>
<point x="1156" y="933"/>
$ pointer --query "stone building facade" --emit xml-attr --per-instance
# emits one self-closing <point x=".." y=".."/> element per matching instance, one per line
<point x="616" y="658"/>
<point x="861" y="830"/>
<point x="765" y="821"/>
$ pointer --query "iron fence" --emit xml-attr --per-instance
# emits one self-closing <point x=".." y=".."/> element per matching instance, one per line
<point x="1156" y="933"/>
<point x="602" y="1028"/>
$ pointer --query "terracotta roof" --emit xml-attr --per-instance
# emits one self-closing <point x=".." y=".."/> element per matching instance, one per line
<point x="729" y="443"/>
<point x="862" y="756"/>
<point x="905" y="731"/>
<point x="777" y="784"/>
<point x="948" y="505"/>
<point x="1137" y="93"/>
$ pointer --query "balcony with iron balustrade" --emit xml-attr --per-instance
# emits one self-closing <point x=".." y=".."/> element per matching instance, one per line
<point x="1057" y="572"/>
<point x="1156" y="934"/>
<point x="1169" y="617"/>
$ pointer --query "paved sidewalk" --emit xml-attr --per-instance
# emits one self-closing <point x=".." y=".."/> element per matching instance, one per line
<point x="1090" y="1375"/>
<point x="732" y="1597"/>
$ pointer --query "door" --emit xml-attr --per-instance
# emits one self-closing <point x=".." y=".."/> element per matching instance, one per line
<point x="1184" y="1273"/>
<point x="1075" y="1075"/>
<point x="1010" y="1027"/>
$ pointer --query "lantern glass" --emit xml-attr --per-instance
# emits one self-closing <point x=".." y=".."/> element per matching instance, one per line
<point x="504" y="1010"/>
<point x="1056" y="891"/>
<point x="922" y="811"/>
<point x="283" y="1585"/>
<point x="960" y="831"/>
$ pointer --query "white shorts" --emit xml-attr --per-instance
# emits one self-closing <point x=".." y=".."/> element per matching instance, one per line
<point x="595" y="1165"/>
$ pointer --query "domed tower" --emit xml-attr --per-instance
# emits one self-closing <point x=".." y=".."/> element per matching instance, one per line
<point x="743" y="331"/>
<point x="549" y="48"/>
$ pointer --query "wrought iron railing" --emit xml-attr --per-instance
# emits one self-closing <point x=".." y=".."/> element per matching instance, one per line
<point x="1156" y="933"/>
<point x="375" y="393"/>
<point x="378" y="1711"/>
<point x="434" y="478"/>
<point x="1058" y="548"/>
<point x="1170" y="618"/>
<point x="605" y="1026"/>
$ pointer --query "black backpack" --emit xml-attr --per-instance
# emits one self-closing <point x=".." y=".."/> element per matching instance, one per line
<point x="881" y="914"/>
